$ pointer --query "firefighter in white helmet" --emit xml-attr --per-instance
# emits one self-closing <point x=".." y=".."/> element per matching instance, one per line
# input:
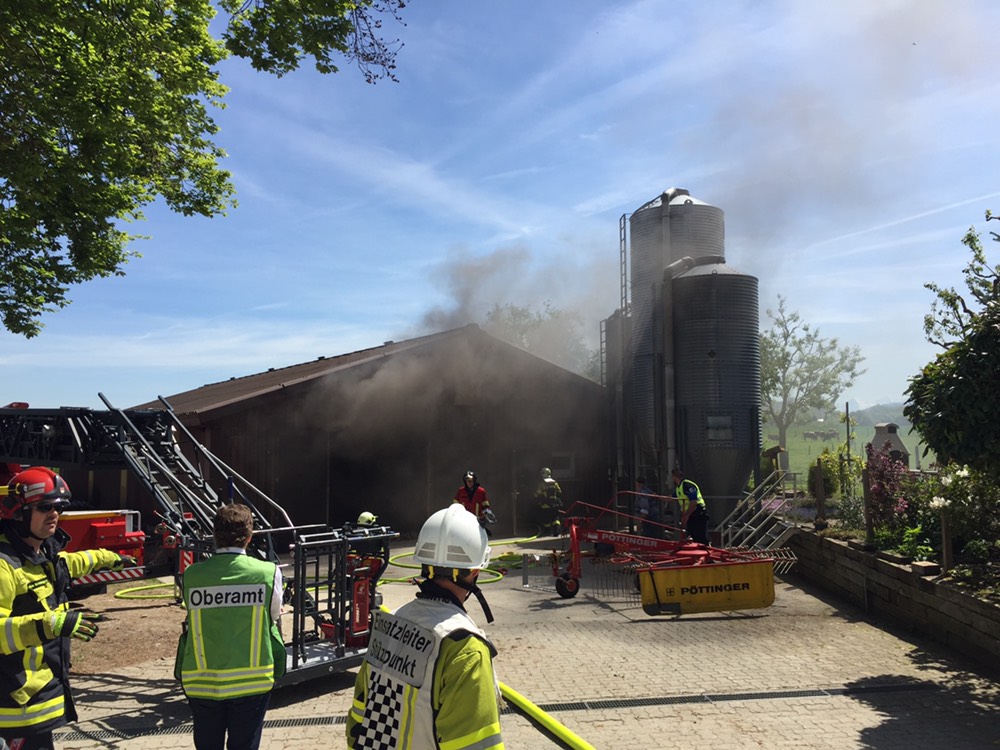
<point x="36" y="623"/>
<point x="427" y="679"/>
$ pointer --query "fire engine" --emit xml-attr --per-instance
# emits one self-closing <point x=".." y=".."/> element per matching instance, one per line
<point x="330" y="573"/>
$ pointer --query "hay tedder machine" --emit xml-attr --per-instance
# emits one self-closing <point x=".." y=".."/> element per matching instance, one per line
<point x="330" y="573"/>
<point x="672" y="577"/>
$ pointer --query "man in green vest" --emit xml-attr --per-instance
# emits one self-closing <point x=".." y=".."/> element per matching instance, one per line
<point x="231" y="651"/>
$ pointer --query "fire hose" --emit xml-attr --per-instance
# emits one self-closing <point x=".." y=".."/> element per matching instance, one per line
<point x="542" y="719"/>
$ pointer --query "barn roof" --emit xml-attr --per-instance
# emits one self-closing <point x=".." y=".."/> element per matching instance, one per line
<point x="237" y="389"/>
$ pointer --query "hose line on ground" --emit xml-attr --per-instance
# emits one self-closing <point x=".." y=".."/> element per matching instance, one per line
<point x="498" y="543"/>
<point x="131" y="593"/>
<point x="543" y="720"/>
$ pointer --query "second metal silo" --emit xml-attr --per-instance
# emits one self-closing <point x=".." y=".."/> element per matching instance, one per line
<point x="717" y="382"/>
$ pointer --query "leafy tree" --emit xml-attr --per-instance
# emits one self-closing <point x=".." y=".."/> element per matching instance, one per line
<point x="550" y="333"/>
<point x="953" y="402"/>
<point x="104" y="107"/>
<point x="800" y="371"/>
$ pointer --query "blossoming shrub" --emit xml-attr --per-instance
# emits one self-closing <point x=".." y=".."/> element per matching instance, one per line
<point x="971" y="501"/>
<point x="890" y="507"/>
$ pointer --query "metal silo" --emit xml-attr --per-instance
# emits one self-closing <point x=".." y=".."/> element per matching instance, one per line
<point x="717" y="380"/>
<point x="671" y="227"/>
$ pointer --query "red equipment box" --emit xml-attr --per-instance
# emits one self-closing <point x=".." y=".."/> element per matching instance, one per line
<point x="116" y="530"/>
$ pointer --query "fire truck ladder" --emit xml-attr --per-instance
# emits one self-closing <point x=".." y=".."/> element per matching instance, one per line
<point x="150" y="445"/>
<point x="147" y="443"/>
<point x="152" y="448"/>
<point x="334" y="571"/>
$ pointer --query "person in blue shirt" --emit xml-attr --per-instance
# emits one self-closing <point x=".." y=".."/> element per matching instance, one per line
<point x="648" y="509"/>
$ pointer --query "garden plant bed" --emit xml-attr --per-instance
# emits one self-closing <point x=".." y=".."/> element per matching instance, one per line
<point x="980" y="580"/>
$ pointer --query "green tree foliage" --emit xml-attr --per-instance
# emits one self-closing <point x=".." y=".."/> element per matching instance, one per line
<point x="550" y="333"/>
<point x="800" y="371"/>
<point x="954" y="399"/>
<point x="104" y="107"/>
<point x="276" y="35"/>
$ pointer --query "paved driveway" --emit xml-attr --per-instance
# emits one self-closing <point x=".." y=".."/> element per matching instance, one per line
<point x="807" y="672"/>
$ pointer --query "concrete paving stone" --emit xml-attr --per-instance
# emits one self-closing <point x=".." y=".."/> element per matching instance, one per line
<point x="808" y="672"/>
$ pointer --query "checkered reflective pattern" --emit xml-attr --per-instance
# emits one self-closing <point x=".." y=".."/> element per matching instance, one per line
<point x="380" y="728"/>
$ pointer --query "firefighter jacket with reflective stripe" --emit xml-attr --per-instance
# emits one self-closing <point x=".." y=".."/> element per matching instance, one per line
<point x="549" y="494"/>
<point x="34" y="662"/>
<point x="231" y="646"/>
<point x="427" y="681"/>
<point x="688" y="496"/>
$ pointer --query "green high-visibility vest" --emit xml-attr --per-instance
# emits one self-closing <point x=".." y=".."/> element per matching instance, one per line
<point x="231" y="647"/>
<point x="688" y="498"/>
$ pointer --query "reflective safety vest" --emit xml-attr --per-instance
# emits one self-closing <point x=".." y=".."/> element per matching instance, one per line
<point x="689" y="495"/>
<point x="34" y="663"/>
<point x="230" y="647"/>
<point x="427" y="682"/>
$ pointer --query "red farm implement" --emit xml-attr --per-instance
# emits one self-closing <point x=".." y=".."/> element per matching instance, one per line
<point x="672" y="577"/>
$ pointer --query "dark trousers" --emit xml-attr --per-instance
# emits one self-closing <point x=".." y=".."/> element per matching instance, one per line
<point x="41" y="741"/>
<point x="697" y="525"/>
<point x="241" y="718"/>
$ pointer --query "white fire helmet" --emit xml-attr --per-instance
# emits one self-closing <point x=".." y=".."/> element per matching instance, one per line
<point x="546" y="473"/>
<point x="452" y="538"/>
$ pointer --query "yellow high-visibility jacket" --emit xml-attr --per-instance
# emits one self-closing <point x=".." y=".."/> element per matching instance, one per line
<point x="34" y="663"/>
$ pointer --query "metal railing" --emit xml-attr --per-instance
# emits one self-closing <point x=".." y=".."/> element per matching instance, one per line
<point x="757" y="520"/>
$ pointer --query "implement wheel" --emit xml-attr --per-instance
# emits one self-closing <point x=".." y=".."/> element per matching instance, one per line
<point x="567" y="587"/>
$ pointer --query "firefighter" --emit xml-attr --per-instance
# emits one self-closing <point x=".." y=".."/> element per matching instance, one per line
<point x="230" y="651"/>
<point x="694" y="514"/>
<point x="548" y="503"/>
<point x="472" y="496"/>
<point x="35" y="619"/>
<point x="427" y="679"/>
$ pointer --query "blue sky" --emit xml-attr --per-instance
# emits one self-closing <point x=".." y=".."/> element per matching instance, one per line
<point x="850" y="144"/>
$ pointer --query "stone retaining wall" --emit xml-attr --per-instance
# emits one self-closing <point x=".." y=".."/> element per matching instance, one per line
<point x="907" y="596"/>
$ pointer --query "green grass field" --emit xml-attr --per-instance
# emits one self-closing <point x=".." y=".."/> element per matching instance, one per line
<point x="803" y="451"/>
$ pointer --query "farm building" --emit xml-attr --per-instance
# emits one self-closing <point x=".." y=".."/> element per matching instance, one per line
<point x="392" y="429"/>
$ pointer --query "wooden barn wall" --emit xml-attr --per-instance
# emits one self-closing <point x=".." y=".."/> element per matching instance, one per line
<point x="395" y="439"/>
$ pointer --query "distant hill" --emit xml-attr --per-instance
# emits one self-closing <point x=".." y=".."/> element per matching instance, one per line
<point x="881" y="413"/>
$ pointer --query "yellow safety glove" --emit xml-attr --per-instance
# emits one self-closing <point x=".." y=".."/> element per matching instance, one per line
<point x="75" y="624"/>
<point x="125" y="561"/>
